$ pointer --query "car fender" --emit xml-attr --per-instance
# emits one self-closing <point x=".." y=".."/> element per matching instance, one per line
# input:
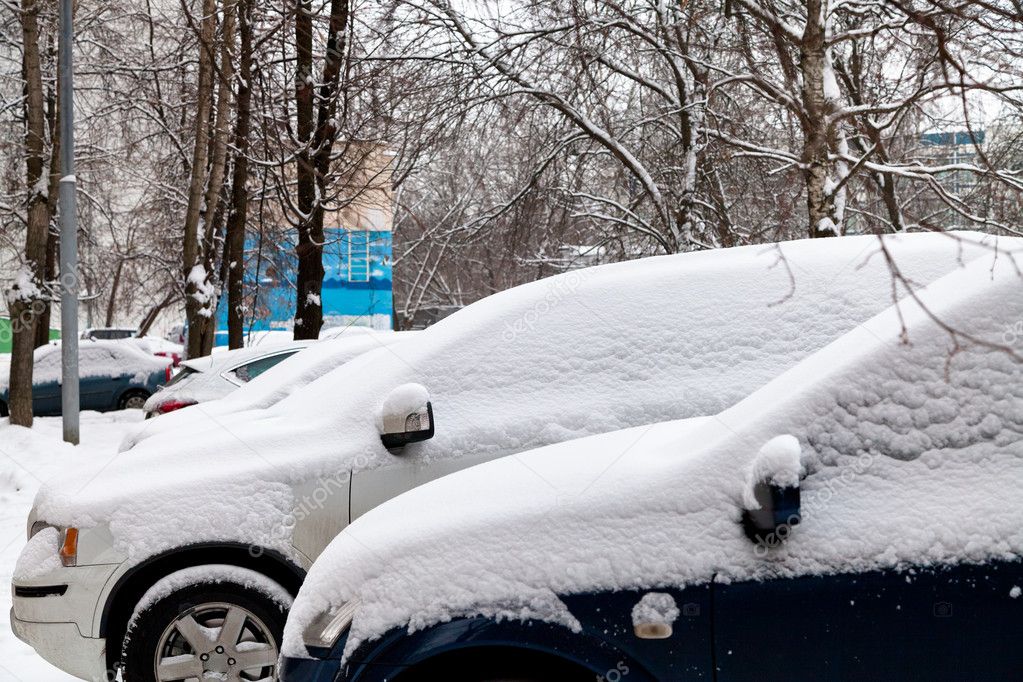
<point x="127" y="585"/>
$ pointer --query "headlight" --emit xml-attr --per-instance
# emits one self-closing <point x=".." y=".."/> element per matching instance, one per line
<point x="328" y="627"/>
<point x="38" y="526"/>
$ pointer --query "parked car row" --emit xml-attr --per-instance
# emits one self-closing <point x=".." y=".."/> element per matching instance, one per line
<point x="118" y="370"/>
<point x="743" y="464"/>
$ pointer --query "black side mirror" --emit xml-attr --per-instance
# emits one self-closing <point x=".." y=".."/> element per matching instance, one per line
<point x="406" y="417"/>
<point x="771" y="501"/>
<point x="779" y="511"/>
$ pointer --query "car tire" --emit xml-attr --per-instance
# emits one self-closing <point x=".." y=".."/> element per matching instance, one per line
<point x="182" y="635"/>
<point x="133" y="400"/>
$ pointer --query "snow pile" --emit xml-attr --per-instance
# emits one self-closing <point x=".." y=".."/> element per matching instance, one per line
<point x="23" y="287"/>
<point x="211" y="574"/>
<point x="39" y="556"/>
<point x="400" y="402"/>
<point x="912" y="441"/>
<point x="655" y="608"/>
<point x="777" y="464"/>
<point x="589" y="351"/>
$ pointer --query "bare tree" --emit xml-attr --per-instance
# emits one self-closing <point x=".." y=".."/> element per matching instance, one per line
<point x="25" y="297"/>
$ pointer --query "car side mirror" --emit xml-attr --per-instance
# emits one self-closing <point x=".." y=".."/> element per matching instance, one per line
<point x="406" y="416"/>
<point x="778" y="511"/>
<point x="772" y="499"/>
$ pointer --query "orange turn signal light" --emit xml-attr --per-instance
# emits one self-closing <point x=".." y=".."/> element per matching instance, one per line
<point x="69" y="547"/>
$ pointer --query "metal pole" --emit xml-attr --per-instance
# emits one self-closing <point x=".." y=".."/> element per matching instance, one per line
<point x="68" y="233"/>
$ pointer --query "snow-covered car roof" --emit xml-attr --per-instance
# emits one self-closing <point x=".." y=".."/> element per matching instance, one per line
<point x="586" y="352"/>
<point x="313" y="361"/>
<point x="908" y="430"/>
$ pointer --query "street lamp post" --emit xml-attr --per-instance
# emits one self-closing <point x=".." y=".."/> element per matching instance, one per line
<point x="68" y="232"/>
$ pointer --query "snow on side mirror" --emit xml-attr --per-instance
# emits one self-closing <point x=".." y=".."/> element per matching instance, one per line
<point x="771" y="498"/>
<point x="406" y="416"/>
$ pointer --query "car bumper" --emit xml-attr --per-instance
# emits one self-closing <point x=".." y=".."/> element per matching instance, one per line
<point x="55" y="614"/>
<point x="63" y="645"/>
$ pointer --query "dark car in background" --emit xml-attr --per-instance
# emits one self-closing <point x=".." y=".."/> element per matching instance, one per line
<point x="112" y="376"/>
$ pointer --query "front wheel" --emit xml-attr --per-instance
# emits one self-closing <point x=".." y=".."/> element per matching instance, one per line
<point x="219" y="625"/>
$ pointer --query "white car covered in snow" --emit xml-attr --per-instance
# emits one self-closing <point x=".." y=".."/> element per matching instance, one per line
<point x="178" y="559"/>
<point x="215" y="376"/>
<point x="293" y="366"/>
<point x="858" y="518"/>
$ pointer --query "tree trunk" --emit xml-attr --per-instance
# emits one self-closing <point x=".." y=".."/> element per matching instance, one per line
<point x="820" y="206"/>
<point x="309" y="282"/>
<point x="316" y="138"/>
<point x="115" y="286"/>
<point x="25" y="296"/>
<point x="213" y="214"/>
<point x="235" y="239"/>
<point x="192" y="258"/>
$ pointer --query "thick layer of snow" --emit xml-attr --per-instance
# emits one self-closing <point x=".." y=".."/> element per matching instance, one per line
<point x="777" y="463"/>
<point x="912" y="442"/>
<point x="212" y="574"/>
<point x="657" y="608"/>
<point x="39" y="558"/>
<point x="27" y="457"/>
<point x="585" y="352"/>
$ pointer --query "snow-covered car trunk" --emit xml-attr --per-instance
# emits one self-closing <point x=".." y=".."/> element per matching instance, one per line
<point x="905" y="437"/>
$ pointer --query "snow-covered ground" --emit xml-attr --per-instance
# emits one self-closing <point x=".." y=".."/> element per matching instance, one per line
<point x="27" y="458"/>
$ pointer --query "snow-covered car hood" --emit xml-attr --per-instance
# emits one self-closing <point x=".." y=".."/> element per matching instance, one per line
<point x="884" y="422"/>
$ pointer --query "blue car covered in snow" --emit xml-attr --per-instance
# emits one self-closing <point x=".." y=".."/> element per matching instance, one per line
<point x="112" y="376"/>
<point x="858" y="518"/>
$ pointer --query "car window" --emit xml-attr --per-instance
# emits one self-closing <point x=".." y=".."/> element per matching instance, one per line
<point x="249" y="371"/>
<point x="111" y="334"/>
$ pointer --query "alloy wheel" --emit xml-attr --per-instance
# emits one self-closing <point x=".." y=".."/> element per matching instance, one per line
<point x="216" y="641"/>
